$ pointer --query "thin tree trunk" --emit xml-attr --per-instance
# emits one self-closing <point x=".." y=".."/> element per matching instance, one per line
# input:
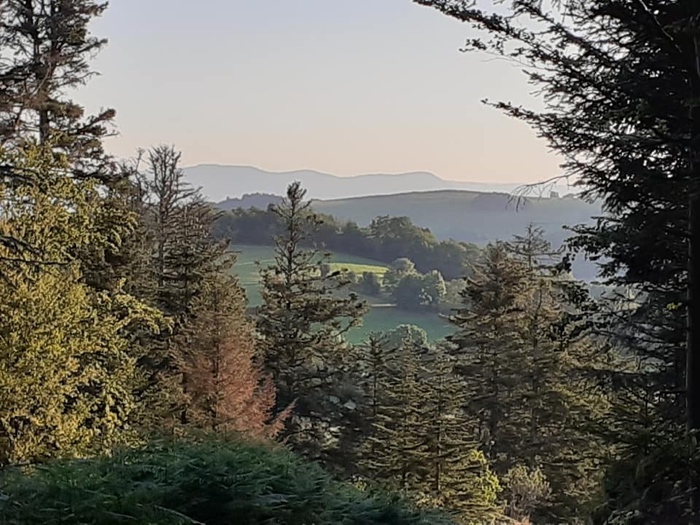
<point x="692" y="373"/>
<point x="693" y="339"/>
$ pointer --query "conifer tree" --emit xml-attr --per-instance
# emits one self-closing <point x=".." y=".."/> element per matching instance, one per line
<point x="46" y="50"/>
<point x="453" y="471"/>
<point x="301" y="325"/>
<point x="226" y="389"/>
<point x="621" y="106"/>
<point x="489" y="344"/>
<point x="395" y="439"/>
<point x="182" y="257"/>
<point x="419" y="440"/>
<point x="521" y="358"/>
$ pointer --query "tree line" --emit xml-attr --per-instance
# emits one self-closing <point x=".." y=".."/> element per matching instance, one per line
<point x="385" y="239"/>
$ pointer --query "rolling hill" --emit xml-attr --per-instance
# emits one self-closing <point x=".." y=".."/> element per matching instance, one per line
<point x="472" y="216"/>
<point x="219" y="183"/>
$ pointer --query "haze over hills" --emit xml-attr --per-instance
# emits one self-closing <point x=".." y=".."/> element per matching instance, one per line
<point x="466" y="216"/>
<point x="463" y="211"/>
<point x="473" y="216"/>
<point x="221" y="182"/>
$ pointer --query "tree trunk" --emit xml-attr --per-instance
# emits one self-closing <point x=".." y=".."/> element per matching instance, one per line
<point x="693" y="339"/>
<point x="692" y="372"/>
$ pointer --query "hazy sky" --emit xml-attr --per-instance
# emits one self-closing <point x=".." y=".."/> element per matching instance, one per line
<point x="341" y="86"/>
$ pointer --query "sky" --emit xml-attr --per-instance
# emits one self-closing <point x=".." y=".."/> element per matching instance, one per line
<point x="340" y="86"/>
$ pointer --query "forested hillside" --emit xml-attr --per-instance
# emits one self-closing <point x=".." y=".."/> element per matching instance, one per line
<point x="138" y="383"/>
<point x="476" y="218"/>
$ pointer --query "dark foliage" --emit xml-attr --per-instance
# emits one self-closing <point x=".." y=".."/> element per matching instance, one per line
<point x="214" y="482"/>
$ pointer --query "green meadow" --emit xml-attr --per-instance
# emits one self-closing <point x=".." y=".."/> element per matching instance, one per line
<point x="380" y="318"/>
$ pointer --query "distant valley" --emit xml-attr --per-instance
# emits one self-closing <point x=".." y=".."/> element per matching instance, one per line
<point x="472" y="215"/>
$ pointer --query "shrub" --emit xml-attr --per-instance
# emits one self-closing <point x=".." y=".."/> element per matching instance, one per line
<point x="211" y="481"/>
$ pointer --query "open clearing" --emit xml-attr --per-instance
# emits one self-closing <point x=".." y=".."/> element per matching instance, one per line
<point x="378" y="319"/>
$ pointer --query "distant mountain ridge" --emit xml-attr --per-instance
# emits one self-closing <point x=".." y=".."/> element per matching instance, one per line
<point x="220" y="182"/>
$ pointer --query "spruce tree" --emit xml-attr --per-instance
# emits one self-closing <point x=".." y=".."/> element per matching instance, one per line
<point x="522" y="359"/>
<point x="419" y="440"/>
<point x="621" y="90"/>
<point x="454" y="473"/>
<point x="489" y="345"/>
<point x="301" y="325"/>
<point x="46" y="47"/>
<point x="393" y="445"/>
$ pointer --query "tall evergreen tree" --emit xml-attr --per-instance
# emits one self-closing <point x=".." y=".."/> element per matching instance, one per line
<point x="301" y="324"/>
<point x="418" y="439"/>
<point x="183" y="255"/>
<point x="454" y="473"/>
<point x="46" y="50"/>
<point x="621" y="87"/>
<point x="393" y="445"/>
<point x="521" y="359"/>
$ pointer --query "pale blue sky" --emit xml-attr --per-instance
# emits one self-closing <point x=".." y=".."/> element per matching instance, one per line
<point x="342" y="86"/>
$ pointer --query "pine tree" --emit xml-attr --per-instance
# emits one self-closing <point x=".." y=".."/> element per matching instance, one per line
<point x="301" y="325"/>
<point x="226" y="389"/>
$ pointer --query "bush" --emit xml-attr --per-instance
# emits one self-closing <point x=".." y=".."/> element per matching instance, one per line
<point x="213" y="482"/>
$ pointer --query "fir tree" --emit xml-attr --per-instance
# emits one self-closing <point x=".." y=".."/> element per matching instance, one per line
<point x="488" y="343"/>
<point x="301" y="325"/>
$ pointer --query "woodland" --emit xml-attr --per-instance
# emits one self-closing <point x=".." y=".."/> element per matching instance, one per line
<point x="138" y="386"/>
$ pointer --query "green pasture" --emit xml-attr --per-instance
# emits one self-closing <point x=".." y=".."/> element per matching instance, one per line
<point x="380" y="318"/>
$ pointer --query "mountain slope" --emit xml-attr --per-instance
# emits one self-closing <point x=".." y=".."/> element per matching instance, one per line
<point x="221" y="182"/>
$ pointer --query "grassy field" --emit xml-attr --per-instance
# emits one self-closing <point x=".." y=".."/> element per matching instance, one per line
<point x="378" y="319"/>
<point x="383" y="319"/>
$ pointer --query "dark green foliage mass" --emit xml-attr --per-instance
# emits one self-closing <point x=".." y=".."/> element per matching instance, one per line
<point x="385" y="239"/>
<point x="521" y="356"/>
<point x="419" y="439"/>
<point x="621" y="86"/>
<point x="214" y="482"/>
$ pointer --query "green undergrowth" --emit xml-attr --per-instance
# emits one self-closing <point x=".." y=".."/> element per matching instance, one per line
<point x="212" y="482"/>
